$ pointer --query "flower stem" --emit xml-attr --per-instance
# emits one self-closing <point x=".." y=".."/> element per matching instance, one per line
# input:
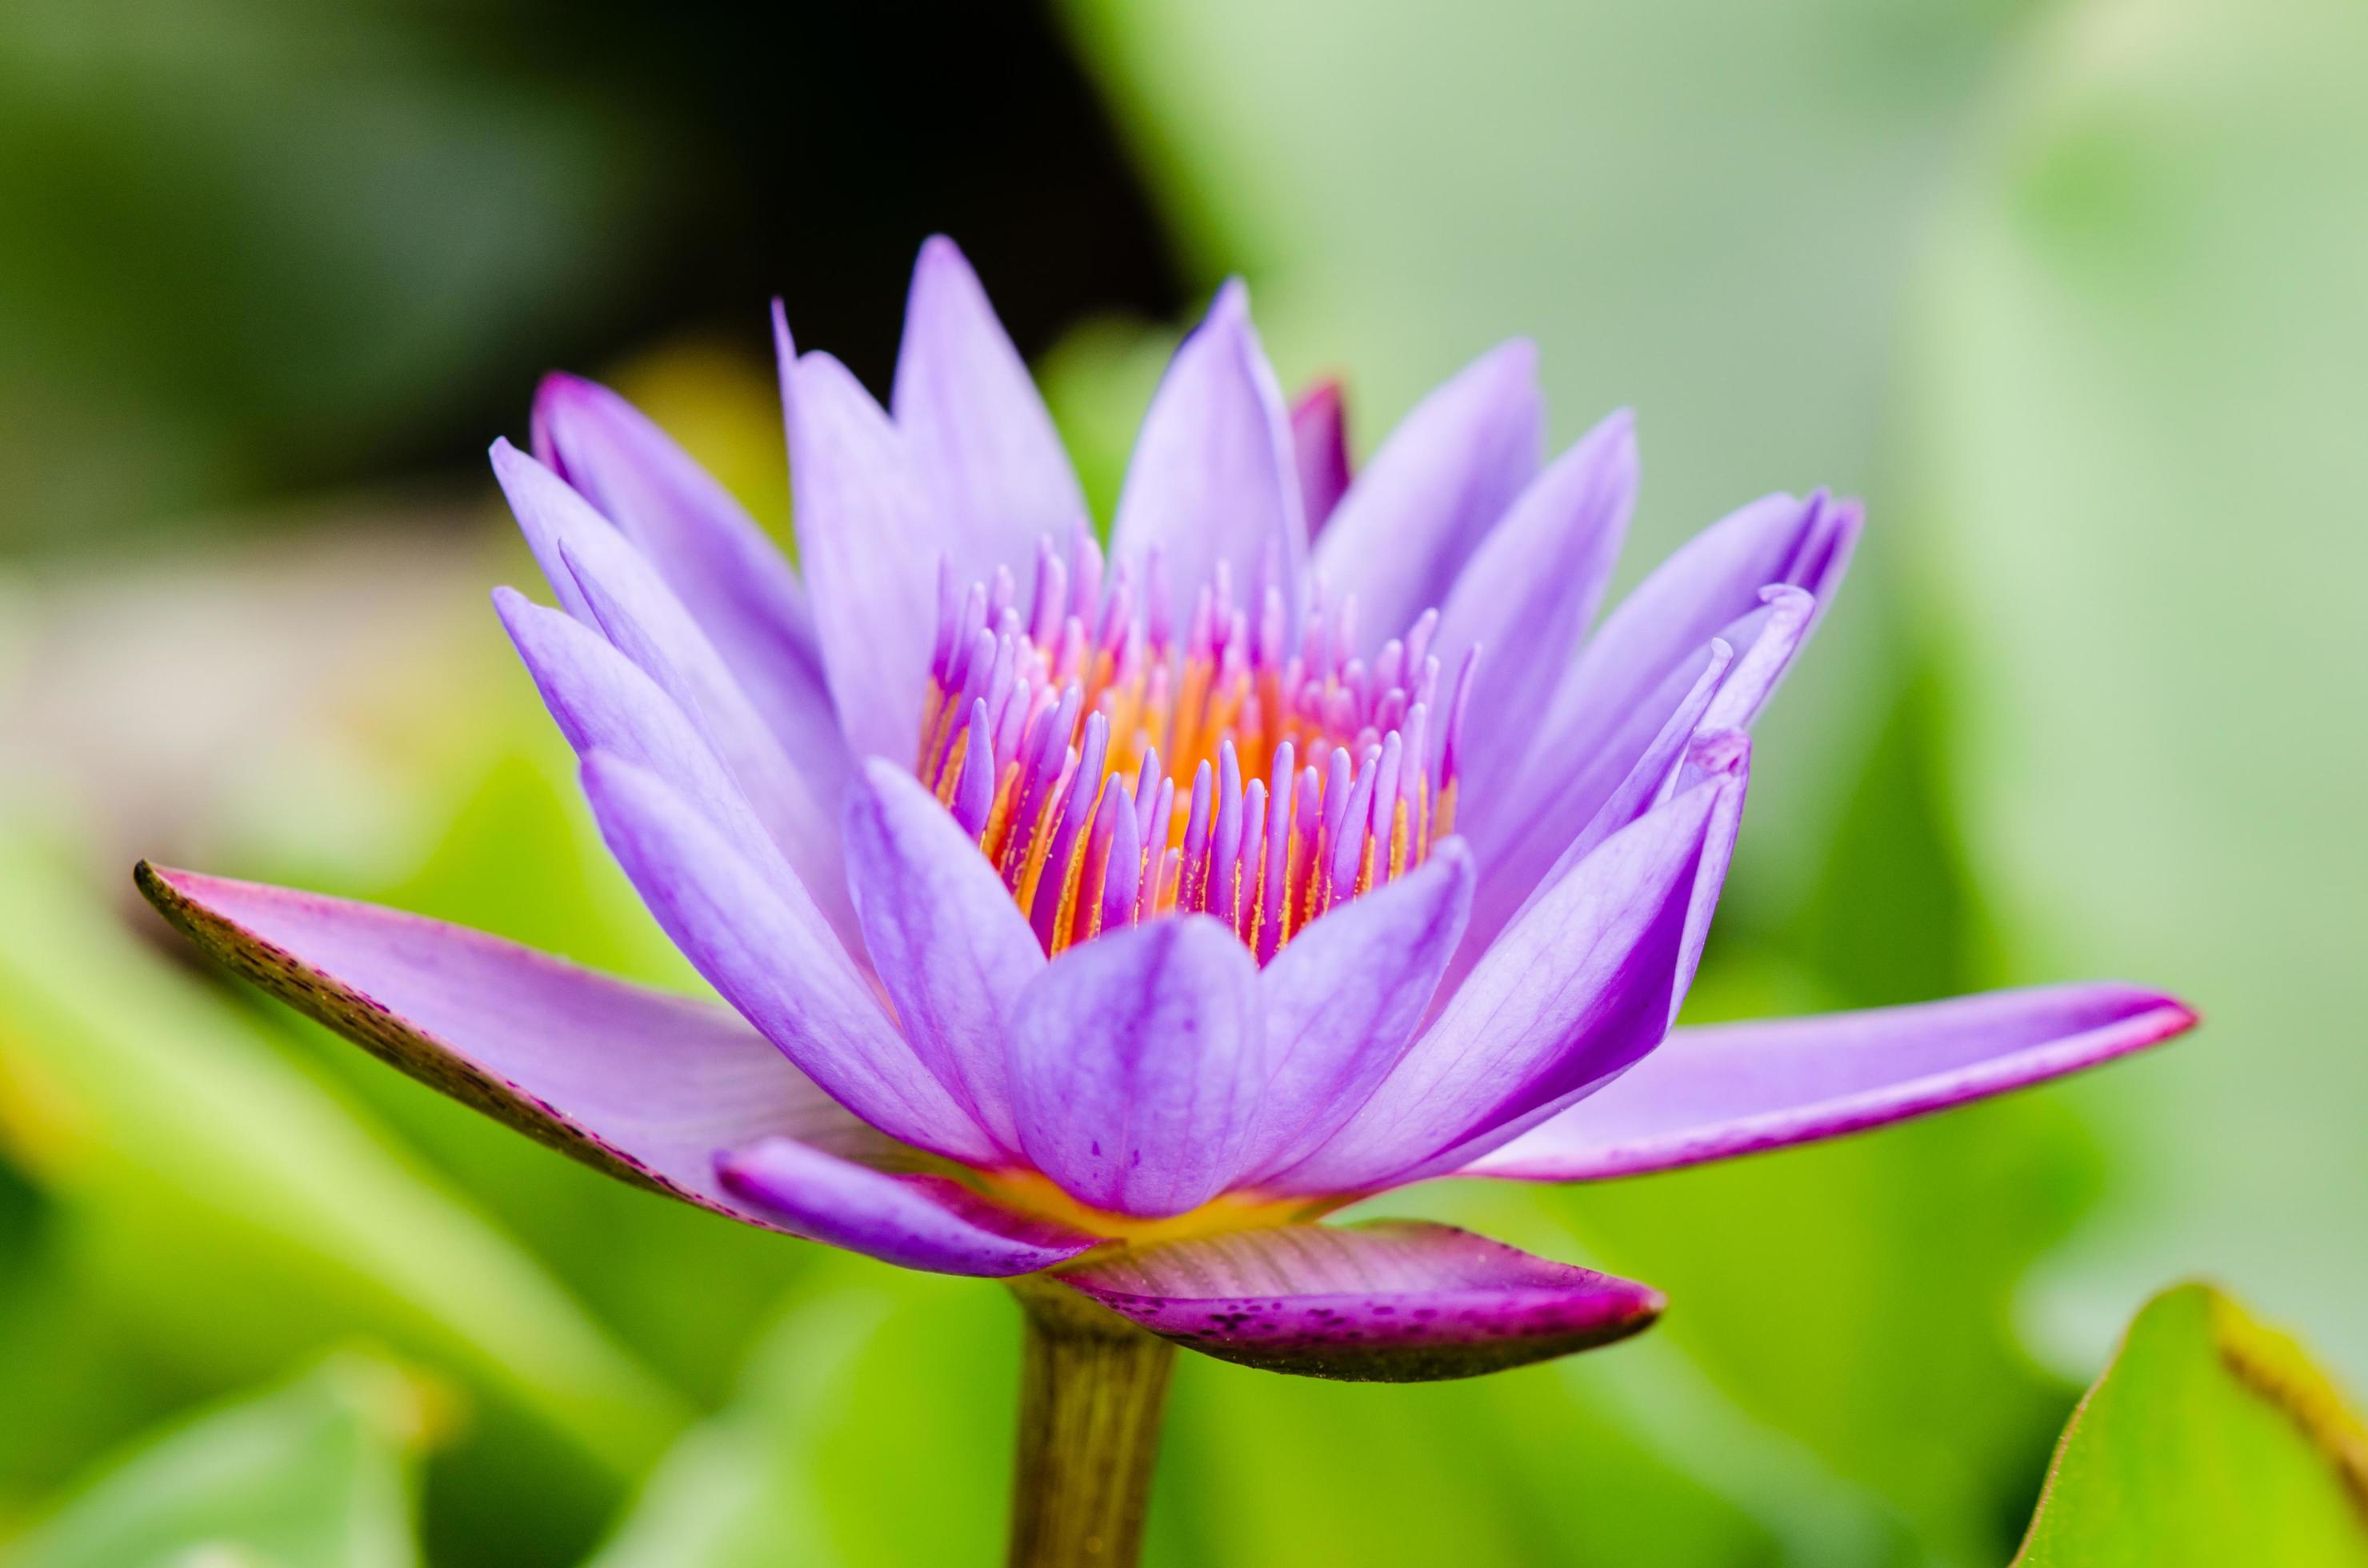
<point x="1092" y="1390"/>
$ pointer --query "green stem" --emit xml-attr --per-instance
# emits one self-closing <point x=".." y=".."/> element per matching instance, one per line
<point x="1092" y="1390"/>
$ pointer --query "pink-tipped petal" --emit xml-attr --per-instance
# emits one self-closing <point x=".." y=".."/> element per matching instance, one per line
<point x="1436" y="488"/>
<point x="914" y="1221"/>
<point x="739" y="587"/>
<point x="1213" y="478"/>
<point x="1390" y="1301"/>
<point x="767" y="954"/>
<point x="1135" y="1065"/>
<point x="635" y="1083"/>
<point x="1319" y="439"/>
<point x="982" y="442"/>
<point x="945" y="936"/>
<point x="1711" y="1094"/>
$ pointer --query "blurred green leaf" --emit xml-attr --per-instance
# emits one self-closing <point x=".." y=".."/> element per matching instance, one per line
<point x="1899" y="1254"/>
<point x="1097" y="380"/>
<point x="1812" y="1286"/>
<point x="2140" y="373"/>
<point x="740" y="1488"/>
<point x="236" y="1209"/>
<point x="1539" y="1465"/>
<point x="199" y="306"/>
<point x="2210" y="1440"/>
<point x="873" y="1425"/>
<point x="317" y="1472"/>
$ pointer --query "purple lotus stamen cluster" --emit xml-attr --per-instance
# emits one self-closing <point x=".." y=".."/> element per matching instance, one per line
<point x="1123" y="931"/>
<point x="1059" y="735"/>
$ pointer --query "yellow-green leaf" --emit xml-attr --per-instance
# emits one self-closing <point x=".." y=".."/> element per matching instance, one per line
<point x="2210" y="1440"/>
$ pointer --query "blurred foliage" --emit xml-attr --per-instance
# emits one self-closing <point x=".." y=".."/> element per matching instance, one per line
<point x="318" y="1472"/>
<point x="2139" y="373"/>
<point x="2210" y="1440"/>
<point x="272" y="237"/>
<point x="2061" y="286"/>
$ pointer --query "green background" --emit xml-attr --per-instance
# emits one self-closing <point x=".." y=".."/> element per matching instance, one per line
<point x="2070" y="291"/>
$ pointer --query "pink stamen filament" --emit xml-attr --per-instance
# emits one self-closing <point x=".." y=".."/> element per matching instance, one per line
<point x="1059" y="735"/>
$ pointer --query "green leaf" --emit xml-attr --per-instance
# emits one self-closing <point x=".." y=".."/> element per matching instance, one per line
<point x="318" y="1471"/>
<point x="2210" y="1440"/>
<point x="237" y="1209"/>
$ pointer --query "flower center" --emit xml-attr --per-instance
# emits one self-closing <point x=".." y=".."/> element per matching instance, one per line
<point x="1114" y="772"/>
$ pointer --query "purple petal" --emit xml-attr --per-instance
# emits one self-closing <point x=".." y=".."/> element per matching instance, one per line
<point x="872" y="548"/>
<point x="1637" y="670"/>
<point x="1135" y="1065"/>
<point x="608" y="586"/>
<point x="946" y="937"/>
<point x="1531" y="589"/>
<point x="1713" y="582"/>
<point x="1214" y="477"/>
<point x="739" y="588"/>
<point x="1711" y="1093"/>
<point x="1438" y="486"/>
<point x="640" y="1084"/>
<point x="602" y="702"/>
<point x="1389" y="1301"/>
<point x="1579" y="988"/>
<point x="1319" y="439"/>
<point x="771" y="958"/>
<point x="983" y="445"/>
<point x="1342" y="1001"/>
<point x="912" y="1221"/>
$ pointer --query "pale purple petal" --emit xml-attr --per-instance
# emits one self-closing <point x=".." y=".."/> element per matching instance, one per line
<point x="1711" y="1093"/>
<point x="1135" y="1065"/>
<point x="946" y="937"/>
<point x="611" y="588"/>
<point x="1319" y="439"/>
<point x="871" y="549"/>
<point x="1342" y="1001"/>
<point x="602" y="702"/>
<point x="1714" y="581"/>
<point x="983" y="445"/>
<point x="1214" y="477"/>
<point x="772" y="959"/>
<point x="737" y="585"/>
<point x="1435" y="489"/>
<point x="1526" y="862"/>
<point x="1575" y="991"/>
<point x="1635" y="671"/>
<point x="638" y="1084"/>
<point x="1389" y="1301"/>
<point x="1530" y="591"/>
<point x="912" y="1220"/>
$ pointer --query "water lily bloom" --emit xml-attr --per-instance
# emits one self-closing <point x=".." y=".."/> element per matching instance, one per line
<point x="1114" y="915"/>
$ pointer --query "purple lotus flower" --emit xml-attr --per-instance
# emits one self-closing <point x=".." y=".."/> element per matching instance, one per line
<point x="1116" y="917"/>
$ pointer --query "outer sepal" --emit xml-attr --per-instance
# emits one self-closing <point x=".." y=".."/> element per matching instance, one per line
<point x="1387" y="1300"/>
